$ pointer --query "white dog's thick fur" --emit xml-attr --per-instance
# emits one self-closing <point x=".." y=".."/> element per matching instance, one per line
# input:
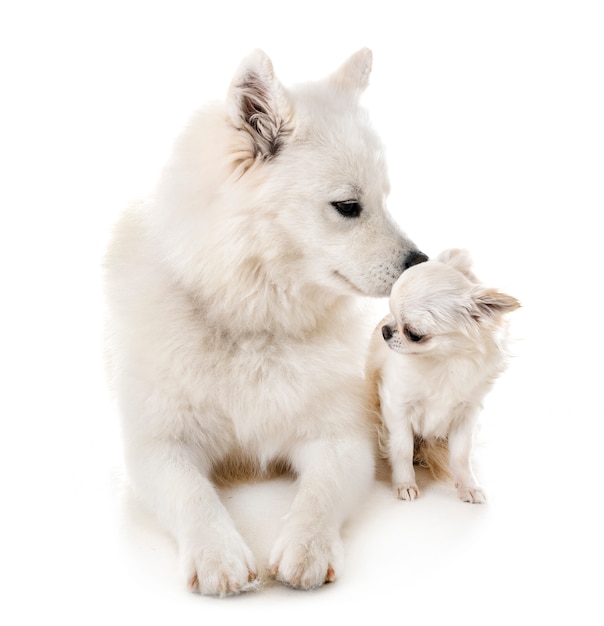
<point x="236" y="338"/>
<point x="431" y="362"/>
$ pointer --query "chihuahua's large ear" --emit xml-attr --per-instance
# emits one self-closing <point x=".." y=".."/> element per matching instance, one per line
<point x="460" y="259"/>
<point x="353" y="75"/>
<point x="492" y="303"/>
<point x="258" y="104"/>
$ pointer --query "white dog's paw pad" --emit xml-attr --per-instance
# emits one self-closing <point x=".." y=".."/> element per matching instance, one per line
<point x="221" y="583"/>
<point x="475" y="495"/>
<point x="302" y="569"/>
<point x="304" y="577"/>
<point x="305" y="562"/>
<point x="220" y="569"/>
<point x="407" y="491"/>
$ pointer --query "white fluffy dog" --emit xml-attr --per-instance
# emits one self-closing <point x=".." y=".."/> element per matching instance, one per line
<point x="431" y="363"/>
<point x="233" y="295"/>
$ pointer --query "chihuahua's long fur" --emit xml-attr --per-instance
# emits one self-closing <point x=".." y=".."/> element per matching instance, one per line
<point x="431" y="363"/>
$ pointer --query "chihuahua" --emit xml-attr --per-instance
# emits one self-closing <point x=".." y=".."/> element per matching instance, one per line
<point x="431" y="363"/>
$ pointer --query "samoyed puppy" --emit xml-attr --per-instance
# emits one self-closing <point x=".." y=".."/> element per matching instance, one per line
<point x="235" y="330"/>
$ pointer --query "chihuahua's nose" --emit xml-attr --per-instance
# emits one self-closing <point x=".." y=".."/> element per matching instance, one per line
<point x="415" y="258"/>
<point x="386" y="332"/>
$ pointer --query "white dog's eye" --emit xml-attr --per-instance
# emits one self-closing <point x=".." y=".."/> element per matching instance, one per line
<point x="413" y="336"/>
<point x="348" y="208"/>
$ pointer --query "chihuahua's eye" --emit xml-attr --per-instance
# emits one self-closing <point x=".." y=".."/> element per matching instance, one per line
<point x="413" y="336"/>
<point x="348" y="208"/>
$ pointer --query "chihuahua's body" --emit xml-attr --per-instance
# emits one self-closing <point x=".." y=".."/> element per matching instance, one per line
<point x="431" y="362"/>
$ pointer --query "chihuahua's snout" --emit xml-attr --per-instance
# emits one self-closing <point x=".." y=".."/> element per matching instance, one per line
<point x="386" y="332"/>
<point x="415" y="258"/>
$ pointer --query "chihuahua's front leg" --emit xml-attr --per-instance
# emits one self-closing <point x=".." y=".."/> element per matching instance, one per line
<point x="400" y="453"/>
<point x="460" y="450"/>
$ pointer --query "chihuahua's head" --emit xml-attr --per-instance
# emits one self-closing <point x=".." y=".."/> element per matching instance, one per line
<point x="439" y="307"/>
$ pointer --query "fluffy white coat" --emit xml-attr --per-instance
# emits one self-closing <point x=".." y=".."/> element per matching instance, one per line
<point x="431" y="363"/>
<point x="235" y="330"/>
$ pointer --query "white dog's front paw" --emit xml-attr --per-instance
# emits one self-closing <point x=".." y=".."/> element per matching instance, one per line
<point x="306" y="559"/>
<point x="407" y="491"/>
<point x="221" y="567"/>
<point x="473" y="494"/>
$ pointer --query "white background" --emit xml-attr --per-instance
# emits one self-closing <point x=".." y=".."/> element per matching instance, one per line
<point x="492" y="117"/>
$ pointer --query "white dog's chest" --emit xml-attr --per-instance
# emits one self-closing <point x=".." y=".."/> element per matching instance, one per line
<point x="270" y="393"/>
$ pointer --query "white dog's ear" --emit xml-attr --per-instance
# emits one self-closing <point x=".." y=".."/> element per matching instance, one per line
<point x="259" y="104"/>
<point x="353" y="75"/>
<point x="460" y="259"/>
<point x="492" y="303"/>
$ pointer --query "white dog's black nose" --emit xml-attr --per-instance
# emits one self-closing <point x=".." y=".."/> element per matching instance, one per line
<point x="386" y="332"/>
<point x="415" y="258"/>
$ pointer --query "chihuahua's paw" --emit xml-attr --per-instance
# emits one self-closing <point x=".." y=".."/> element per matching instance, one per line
<point x="406" y="491"/>
<point x="475" y="494"/>
<point x="306" y="559"/>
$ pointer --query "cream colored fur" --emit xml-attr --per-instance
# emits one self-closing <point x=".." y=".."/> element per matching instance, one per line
<point x="235" y="308"/>
<point x="431" y="363"/>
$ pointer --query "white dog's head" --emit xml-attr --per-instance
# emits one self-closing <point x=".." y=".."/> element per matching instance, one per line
<point x="319" y="172"/>
<point x="439" y="308"/>
<point x="283" y="187"/>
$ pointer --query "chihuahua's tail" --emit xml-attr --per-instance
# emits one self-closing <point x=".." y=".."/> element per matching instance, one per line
<point x="433" y="454"/>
